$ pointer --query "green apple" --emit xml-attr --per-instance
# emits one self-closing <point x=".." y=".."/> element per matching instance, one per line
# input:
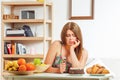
<point x="37" y="61"/>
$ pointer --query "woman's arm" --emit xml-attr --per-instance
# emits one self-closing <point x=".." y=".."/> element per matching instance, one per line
<point x="75" y="62"/>
<point x="79" y="63"/>
<point x="83" y="58"/>
<point x="50" y="57"/>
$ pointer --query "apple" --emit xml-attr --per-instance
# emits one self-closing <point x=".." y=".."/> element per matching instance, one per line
<point x="37" y="61"/>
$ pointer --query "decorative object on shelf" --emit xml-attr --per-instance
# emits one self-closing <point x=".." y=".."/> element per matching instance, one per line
<point x="8" y="16"/>
<point x="32" y="51"/>
<point x="28" y="31"/>
<point x="27" y="14"/>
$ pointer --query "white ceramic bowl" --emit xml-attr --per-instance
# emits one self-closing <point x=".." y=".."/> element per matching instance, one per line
<point x="40" y="68"/>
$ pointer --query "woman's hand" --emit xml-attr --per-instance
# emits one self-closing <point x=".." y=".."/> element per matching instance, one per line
<point x="77" y="42"/>
<point x="62" y="67"/>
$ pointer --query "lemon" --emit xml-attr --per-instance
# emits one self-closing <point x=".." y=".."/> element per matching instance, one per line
<point x="43" y="64"/>
<point x="42" y="1"/>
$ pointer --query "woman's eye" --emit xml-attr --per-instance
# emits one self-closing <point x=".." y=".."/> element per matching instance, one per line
<point x="73" y="35"/>
<point x="69" y="35"/>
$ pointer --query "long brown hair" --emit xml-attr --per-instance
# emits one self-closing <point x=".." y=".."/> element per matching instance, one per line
<point x="77" y="31"/>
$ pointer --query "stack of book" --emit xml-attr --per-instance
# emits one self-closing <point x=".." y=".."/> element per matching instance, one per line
<point x="14" y="48"/>
<point x="15" y="33"/>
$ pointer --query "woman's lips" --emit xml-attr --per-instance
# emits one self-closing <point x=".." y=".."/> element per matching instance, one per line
<point x="71" y="42"/>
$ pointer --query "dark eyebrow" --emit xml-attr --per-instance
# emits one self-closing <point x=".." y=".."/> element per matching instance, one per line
<point x="71" y="34"/>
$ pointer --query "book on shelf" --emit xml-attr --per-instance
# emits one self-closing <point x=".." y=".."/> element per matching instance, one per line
<point x="15" y="35"/>
<point x="14" y="48"/>
<point x="5" y="48"/>
<point x="9" y="48"/>
<point x="12" y="32"/>
<point x="21" y="48"/>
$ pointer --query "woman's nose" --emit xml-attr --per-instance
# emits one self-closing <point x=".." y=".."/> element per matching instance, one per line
<point x="71" y="37"/>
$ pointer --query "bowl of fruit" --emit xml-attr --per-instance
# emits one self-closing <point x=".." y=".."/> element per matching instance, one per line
<point x="40" y="66"/>
<point x="19" y="66"/>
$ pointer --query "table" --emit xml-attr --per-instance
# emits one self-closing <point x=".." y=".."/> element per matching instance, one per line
<point x="55" y="76"/>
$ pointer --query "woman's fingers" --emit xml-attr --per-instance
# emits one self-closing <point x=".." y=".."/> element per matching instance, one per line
<point x="76" y="43"/>
<point x="62" y="67"/>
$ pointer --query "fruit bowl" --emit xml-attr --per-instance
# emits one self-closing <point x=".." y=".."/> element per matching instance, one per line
<point x="41" y="68"/>
<point x="21" y="72"/>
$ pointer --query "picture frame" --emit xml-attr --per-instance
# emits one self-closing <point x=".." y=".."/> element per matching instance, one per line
<point x="27" y="14"/>
<point x="81" y="9"/>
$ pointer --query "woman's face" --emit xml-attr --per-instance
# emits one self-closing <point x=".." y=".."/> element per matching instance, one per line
<point x="70" y="38"/>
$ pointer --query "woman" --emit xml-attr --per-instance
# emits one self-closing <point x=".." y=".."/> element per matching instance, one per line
<point x="70" y="48"/>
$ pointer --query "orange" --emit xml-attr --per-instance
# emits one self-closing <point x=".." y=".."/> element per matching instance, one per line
<point x="30" y="66"/>
<point x="21" y="61"/>
<point x="22" y="68"/>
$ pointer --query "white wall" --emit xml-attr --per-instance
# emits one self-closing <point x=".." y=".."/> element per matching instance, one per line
<point x="113" y="65"/>
<point x="100" y="35"/>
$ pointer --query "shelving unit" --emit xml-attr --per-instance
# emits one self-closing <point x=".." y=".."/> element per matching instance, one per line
<point x="23" y="56"/>
<point x="45" y="22"/>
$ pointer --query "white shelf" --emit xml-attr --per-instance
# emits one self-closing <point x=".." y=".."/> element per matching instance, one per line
<point x="30" y="40"/>
<point x="24" y="3"/>
<point x="26" y="21"/>
<point x="27" y="38"/>
<point x="23" y="56"/>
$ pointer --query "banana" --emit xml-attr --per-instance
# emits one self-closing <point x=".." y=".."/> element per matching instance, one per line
<point x="10" y="69"/>
<point x="11" y="66"/>
<point x="6" y="67"/>
<point x="15" y="64"/>
<point x="14" y="68"/>
<point x="10" y="63"/>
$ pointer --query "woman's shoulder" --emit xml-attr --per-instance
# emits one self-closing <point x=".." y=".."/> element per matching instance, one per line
<point x="84" y="51"/>
<point x="56" y="43"/>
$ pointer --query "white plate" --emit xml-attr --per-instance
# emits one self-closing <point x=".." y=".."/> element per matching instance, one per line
<point x="97" y="74"/>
